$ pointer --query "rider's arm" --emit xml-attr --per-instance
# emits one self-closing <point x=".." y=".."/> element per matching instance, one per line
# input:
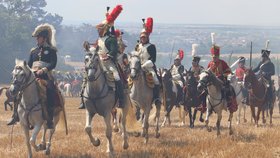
<point x="257" y="68"/>
<point x="112" y="46"/>
<point x="53" y="60"/>
<point x="152" y="52"/>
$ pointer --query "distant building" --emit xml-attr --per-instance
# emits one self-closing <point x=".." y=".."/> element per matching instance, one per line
<point x="67" y="58"/>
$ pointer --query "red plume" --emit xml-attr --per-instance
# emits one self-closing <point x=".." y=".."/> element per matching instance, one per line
<point x="149" y="25"/>
<point x="117" y="33"/>
<point x="181" y="54"/>
<point x="114" y="14"/>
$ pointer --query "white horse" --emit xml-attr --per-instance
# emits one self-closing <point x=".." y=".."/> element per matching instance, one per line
<point x="238" y="86"/>
<point x="100" y="99"/>
<point x="215" y="101"/>
<point x="142" y="95"/>
<point x="30" y="108"/>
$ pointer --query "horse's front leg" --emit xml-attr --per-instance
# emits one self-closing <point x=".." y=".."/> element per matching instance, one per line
<point x="146" y="123"/>
<point x="264" y="112"/>
<point x="26" y="133"/>
<point x="253" y="113"/>
<point x="51" y="132"/>
<point x="230" y="121"/>
<point x="218" y="123"/>
<point x="208" y="112"/>
<point x="35" y="132"/>
<point x="123" y="123"/>
<point x="194" y="116"/>
<point x="270" y="114"/>
<point x="110" y="149"/>
<point x="115" y="120"/>
<point x="157" y="121"/>
<point x="238" y="115"/>
<point x="42" y="146"/>
<point x="190" y="117"/>
<point x="244" y="114"/>
<point x="94" y="141"/>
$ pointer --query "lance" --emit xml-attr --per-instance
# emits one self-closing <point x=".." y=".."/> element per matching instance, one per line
<point x="170" y="60"/>
<point x="251" y="51"/>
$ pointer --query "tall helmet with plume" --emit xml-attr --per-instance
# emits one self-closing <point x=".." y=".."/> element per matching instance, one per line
<point x="215" y="50"/>
<point x="266" y="52"/>
<point x="194" y="53"/>
<point x="47" y="31"/>
<point x="180" y="55"/>
<point x="110" y="18"/>
<point x="147" y="27"/>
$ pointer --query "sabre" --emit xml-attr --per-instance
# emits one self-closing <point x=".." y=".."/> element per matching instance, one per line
<point x="251" y="51"/>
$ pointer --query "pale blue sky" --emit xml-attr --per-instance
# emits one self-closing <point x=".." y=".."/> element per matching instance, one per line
<point x="244" y="12"/>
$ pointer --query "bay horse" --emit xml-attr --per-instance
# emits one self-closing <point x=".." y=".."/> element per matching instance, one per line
<point x="30" y="108"/>
<point x="215" y="100"/>
<point x="170" y="97"/>
<point x="257" y="96"/>
<point x="100" y="98"/>
<point x="142" y="95"/>
<point x="192" y="98"/>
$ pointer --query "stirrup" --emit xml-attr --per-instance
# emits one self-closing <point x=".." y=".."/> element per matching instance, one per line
<point x="13" y="121"/>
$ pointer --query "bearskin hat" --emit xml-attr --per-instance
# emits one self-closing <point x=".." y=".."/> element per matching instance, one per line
<point x="47" y="31"/>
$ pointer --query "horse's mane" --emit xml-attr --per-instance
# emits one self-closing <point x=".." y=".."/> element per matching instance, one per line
<point x="216" y="81"/>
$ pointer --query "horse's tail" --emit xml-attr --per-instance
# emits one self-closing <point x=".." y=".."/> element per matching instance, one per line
<point x="1" y="89"/>
<point x="132" y="124"/>
<point x="62" y="117"/>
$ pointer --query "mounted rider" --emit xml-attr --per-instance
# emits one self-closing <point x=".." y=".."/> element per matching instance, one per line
<point x="177" y="72"/>
<point x="239" y="73"/>
<point x="266" y="69"/>
<point x="147" y="53"/>
<point x="43" y="60"/>
<point x="221" y="70"/>
<point x="107" y="49"/>
<point x="196" y="69"/>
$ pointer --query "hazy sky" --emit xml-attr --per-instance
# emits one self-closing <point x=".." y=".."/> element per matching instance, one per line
<point x="244" y="12"/>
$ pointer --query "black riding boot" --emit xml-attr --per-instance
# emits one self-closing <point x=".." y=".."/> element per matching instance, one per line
<point x="15" y="117"/>
<point x="156" y="92"/>
<point x="120" y="93"/>
<point x="82" y="104"/>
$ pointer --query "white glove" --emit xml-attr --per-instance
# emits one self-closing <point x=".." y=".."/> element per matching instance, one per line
<point x="147" y="64"/>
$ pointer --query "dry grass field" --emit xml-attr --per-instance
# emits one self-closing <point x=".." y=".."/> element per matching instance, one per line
<point x="247" y="140"/>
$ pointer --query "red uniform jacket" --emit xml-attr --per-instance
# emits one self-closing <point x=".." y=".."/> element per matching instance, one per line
<point x="240" y="73"/>
<point x="219" y="68"/>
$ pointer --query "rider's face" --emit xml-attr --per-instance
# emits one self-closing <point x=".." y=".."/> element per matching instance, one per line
<point x="40" y="40"/>
<point x="144" y="39"/>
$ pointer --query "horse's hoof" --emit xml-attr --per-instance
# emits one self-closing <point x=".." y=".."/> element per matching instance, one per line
<point x="201" y="120"/>
<point x="264" y="121"/>
<point x="41" y="146"/>
<point x="230" y="132"/>
<point x="146" y="141"/>
<point x="245" y="120"/>
<point x="116" y="129"/>
<point x="162" y="125"/>
<point x="157" y="135"/>
<point x="47" y="152"/>
<point x="125" y="145"/>
<point x="209" y="130"/>
<point x="96" y="142"/>
<point x="192" y="126"/>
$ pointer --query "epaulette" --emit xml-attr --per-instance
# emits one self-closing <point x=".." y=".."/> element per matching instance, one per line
<point x="32" y="49"/>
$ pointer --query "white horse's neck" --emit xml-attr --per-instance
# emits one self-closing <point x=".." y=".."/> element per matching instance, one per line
<point x="214" y="91"/>
<point x="30" y="95"/>
<point x="97" y="87"/>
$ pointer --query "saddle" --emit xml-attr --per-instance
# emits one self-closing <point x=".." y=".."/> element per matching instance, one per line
<point x="149" y="79"/>
<point x="58" y="102"/>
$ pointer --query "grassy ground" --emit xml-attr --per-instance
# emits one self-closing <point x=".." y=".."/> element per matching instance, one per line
<point x="247" y="140"/>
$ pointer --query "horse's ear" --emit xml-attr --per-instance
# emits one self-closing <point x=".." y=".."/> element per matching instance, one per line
<point x="24" y="63"/>
<point x="16" y="61"/>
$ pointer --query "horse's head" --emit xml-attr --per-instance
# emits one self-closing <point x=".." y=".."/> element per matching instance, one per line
<point x="92" y="65"/>
<point x="248" y="77"/>
<point x="205" y="79"/>
<point x="20" y="76"/>
<point x="166" y="75"/>
<point x="135" y="66"/>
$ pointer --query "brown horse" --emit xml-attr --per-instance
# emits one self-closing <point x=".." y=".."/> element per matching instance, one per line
<point x="257" y="95"/>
